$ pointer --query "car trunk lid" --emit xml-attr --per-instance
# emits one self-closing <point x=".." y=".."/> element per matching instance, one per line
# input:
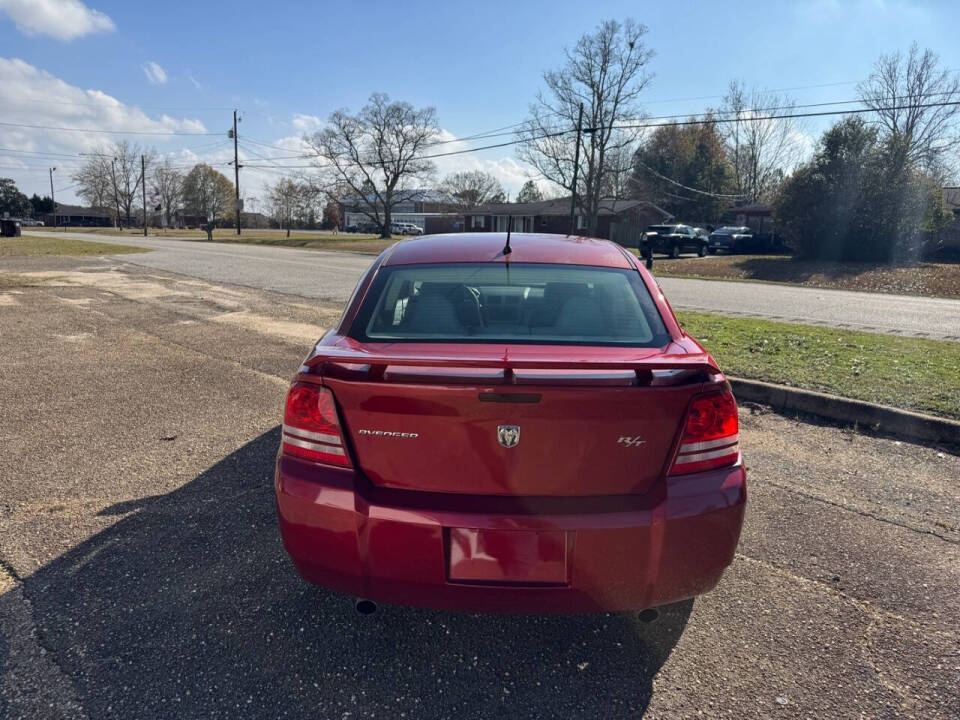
<point x="511" y="420"/>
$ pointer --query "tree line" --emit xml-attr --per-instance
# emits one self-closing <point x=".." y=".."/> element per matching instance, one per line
<point x="870" y="187"/>
<point x="112" y="178"/>
<point x="17" y="205"/>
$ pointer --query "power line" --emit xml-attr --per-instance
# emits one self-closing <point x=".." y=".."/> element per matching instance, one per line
<point x="249" y="139"/>
<point x="108" y="132"/>
<point x="774" y="108"/>
<point x="134" y="106"/>
<point x="271" y="158"/>
<point x="685" y="187"/>
<point x="702" y="121"/>
<point x="854" y="111"/>
<point x="39" y="152"/>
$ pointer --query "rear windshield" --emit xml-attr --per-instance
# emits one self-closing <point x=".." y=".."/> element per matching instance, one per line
<point x="661" y="228"/>
<point x="519" y="303"/>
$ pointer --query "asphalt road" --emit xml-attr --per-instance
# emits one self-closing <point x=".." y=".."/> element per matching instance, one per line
<point x="332" y="275"/>
<point x="142" y="576"/>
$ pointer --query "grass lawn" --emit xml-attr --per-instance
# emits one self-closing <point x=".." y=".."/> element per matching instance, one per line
<point x="33" y="246"/>
<point x="910" y="373"/>
<point x="367" y="244"/>
<point x="344" y="242"/>
<point x="935" y="279"/>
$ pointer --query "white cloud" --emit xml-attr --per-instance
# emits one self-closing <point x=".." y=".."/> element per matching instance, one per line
<point x="193" y="81"/>
<point x="32" y="96"/>
<point x="62" y="19"/>
<point x="155" y="74"/>
<point x="511" y="173"/>
<point x="306" y="124"/>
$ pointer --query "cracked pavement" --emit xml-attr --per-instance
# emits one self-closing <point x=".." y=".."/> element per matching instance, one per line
<point x="141" y="573"/>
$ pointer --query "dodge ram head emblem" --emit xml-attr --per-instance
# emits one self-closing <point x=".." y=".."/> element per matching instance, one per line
<point x="508" y="435"/>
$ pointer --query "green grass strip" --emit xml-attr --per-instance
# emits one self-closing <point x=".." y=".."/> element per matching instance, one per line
<point x="38" y="246"/>
<point x="909" y="373"/>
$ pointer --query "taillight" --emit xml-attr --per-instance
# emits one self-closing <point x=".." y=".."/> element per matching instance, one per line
<point x="710" y="434"/>
<point x="311" y="427"/>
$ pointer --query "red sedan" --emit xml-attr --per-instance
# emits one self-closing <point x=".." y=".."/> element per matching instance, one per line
<point x="510" y="428"/>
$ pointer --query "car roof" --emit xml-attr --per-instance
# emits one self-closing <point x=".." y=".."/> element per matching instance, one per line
<point x="488" y="247"/>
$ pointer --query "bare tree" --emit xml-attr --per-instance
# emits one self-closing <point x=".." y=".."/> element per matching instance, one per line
<point x="606" y="71"/>
<point x="126" y="174"/>
<point x="111" y="175"/>
<point x="284" y="198"/>
<point x="471" y="188"/>
<point x="762" y="149"/>
<point x="616" y="180"/>
<point x="309" y="205"/>
<point x="911" y="95"/>
<point x="95" y="180"/>
<point x="377" y="153"/>
<point x="167" y="185"/>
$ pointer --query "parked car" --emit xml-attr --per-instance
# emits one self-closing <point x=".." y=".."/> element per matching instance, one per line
<point x="675" y="239"/>
<point x="520" y="432"/>
<point x="730" y="239"/>
<point x="405" y="229"/>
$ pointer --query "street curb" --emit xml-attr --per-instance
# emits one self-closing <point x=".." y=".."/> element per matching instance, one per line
<point x="881" y="418"/>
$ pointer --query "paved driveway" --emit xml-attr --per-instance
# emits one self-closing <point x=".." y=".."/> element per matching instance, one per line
<point x="142" y="574"/>
<point x="332" y="275"/>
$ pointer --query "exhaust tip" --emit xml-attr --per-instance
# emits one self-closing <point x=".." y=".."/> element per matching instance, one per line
<point x="365" y="607"/>
<point x="649" y="615"/>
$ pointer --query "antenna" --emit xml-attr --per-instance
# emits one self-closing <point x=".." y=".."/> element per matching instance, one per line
<point x="506" y="248"/>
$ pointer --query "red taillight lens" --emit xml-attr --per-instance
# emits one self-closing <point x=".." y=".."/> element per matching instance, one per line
<point x="711" y="434"/>
<point x="311" y="427"/>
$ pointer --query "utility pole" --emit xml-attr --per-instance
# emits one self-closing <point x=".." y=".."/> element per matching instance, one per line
<point x="116" y="197"/>
<point x="576" y="167"/>
<point x="53" y="199"/>
<point x="143" y="185"/>
<point x="236" y="169"/>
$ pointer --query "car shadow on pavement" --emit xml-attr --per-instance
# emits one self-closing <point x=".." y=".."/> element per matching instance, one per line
<point x="188" y="607"/>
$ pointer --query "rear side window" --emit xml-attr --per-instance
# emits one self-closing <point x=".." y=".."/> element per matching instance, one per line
<point x="517" y="303"/>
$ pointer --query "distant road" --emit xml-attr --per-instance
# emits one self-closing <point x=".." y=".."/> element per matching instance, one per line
<point x="332" y="276"/>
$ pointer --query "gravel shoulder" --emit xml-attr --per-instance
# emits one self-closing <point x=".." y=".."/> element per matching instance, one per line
<point x="141" y="573"/>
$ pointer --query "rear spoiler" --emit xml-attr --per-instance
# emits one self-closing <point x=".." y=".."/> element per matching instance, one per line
<point x="328" y="354"/>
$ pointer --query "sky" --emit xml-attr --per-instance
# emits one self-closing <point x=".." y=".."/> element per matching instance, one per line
<point x="179" y="69"/>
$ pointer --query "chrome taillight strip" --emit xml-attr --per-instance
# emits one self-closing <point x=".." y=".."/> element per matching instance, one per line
<point x="710" y="455"/>
<point x="329" y="449"/>
<point x="708" y="444"/>
<point x="310" y="435"/>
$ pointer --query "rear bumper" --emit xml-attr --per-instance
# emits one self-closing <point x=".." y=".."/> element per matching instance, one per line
<point x="620" y="553"/>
